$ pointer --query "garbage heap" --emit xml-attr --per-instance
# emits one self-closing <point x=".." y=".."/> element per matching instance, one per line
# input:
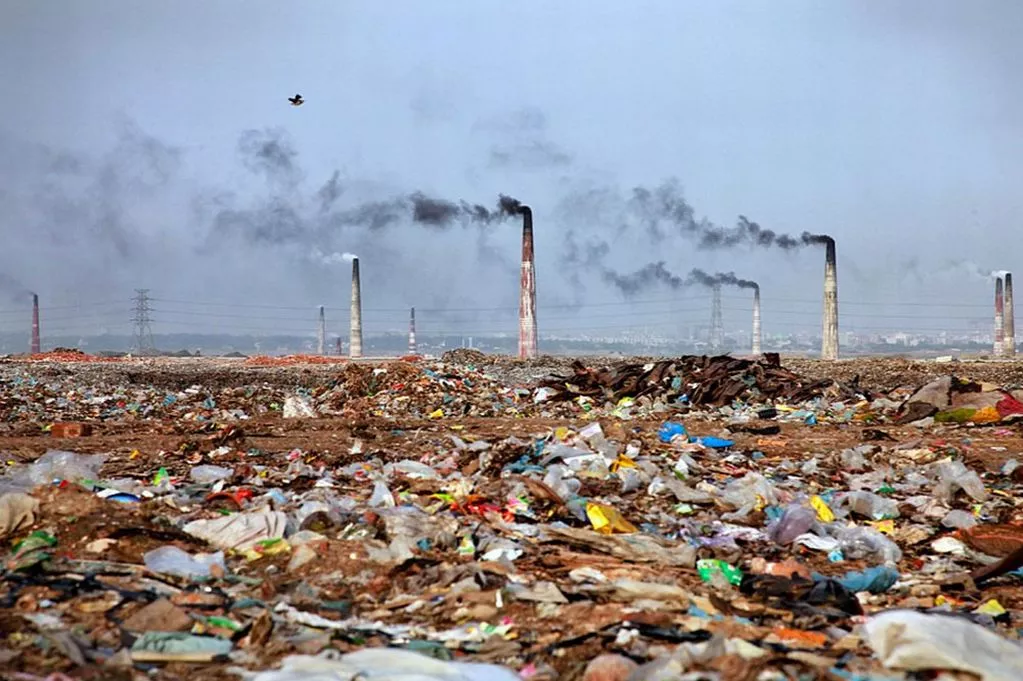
<point x="363" y="526"/>
<point x="696" y="380"/>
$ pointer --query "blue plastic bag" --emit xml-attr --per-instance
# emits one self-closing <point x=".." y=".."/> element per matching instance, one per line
<point x="669" y="430"/>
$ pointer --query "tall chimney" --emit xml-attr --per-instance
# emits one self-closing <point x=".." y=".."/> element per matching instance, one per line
<point x="999" y="317"/>
<point x="412" y="332"/>
<point x="829" y="333"/>
<point x="717" y="329"/>
<point x="527" y="290"/>
<point x="355" y="329"/>
<point x="756" y="321"/>
<point x="1008" y="321"/>
<point x="321" y="334"/>
<point x="36" y="347"/>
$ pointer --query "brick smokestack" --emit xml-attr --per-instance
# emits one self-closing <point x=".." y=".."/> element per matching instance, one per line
<point x="999" y="317"/>
<point x="355" y="328"/>
<point x="527" y="290"/>
<point x="756" y="321"/>
<point x="1009" y="321"/>
<point x="36" y="347"/>
<point x="829" y="331"/>
<point x="321" y="333"/>
<point x="412" y="332"/>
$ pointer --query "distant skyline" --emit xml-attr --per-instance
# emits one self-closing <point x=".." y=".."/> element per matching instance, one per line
<point x="152" y="145"/>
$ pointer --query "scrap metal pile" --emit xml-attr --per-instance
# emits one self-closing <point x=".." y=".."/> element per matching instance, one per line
<point x="695" y="519"/>
<point x="698" y="380"/>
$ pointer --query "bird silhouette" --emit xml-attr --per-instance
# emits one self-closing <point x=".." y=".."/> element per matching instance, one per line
<point x="296" y="100"/>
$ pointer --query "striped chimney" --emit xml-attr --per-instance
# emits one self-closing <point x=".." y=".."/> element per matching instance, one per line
<point x="1009" y="320"/>
<point x="756" y="321"/>
<point x="355" y="328"/>
<point x="412" y="332"/>
<point x="829" y="331"/>
<point x="999" y="317"/>
<point x="527" y="289"/>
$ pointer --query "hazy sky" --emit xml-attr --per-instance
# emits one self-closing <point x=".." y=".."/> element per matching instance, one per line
<point x="150" y="144"/>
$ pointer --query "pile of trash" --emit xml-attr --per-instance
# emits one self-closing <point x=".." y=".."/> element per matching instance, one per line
<point x="953" y="400"/>
<point x="348" y="530"/>
<point x="696" y="380"/>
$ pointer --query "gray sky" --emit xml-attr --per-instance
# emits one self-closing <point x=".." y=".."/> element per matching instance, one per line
<point x="892" y="126"/>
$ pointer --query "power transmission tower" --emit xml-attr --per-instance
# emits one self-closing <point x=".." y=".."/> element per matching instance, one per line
<point x="143" y="334"/>
<point x="717" y="332"/>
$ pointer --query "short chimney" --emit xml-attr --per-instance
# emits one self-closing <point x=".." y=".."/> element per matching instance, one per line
<point x="36" y="346"/>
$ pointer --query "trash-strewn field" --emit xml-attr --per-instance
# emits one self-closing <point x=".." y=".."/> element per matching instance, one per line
<point x="483" y="518"/>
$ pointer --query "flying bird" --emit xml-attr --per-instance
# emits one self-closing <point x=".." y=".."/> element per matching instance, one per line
<point x="296" y="100"/>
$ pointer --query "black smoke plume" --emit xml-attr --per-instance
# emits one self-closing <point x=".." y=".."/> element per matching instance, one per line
<point x="698" y="276"/>
<point x="643" y="278"/>
<point x="663" y="210"/>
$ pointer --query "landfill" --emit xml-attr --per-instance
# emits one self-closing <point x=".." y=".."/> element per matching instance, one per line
<point x="477" y="517"/>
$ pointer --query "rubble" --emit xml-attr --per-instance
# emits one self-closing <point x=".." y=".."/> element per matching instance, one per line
<point x="695" y="518"/>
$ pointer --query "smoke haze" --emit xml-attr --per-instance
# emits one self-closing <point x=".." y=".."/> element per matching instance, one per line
<point x="202" y="184"/>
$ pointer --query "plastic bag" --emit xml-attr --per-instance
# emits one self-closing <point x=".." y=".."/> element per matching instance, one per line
<point x="867" y="505"/>
<point x="559" y="478"/>
<point x="795" y="520"/>
<point x="749" y="493"/>
<point x="208" y="474"/>
<point x="53" y="465"/>
<point x="240" y="531"/>
<point x="954" y="476"/>
<point x="670" y="430"/>
<point x="959" y="520"/>
<point x="298" y="407"/>
<point x="171" y="560"/>
<point x="866" y="543"/>
<point x="914" y="641"/>
<point x="392" y="664"/>
<point x="382" y="496"/>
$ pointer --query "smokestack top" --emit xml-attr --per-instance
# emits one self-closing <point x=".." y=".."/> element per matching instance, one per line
<point x="527" y="233"/>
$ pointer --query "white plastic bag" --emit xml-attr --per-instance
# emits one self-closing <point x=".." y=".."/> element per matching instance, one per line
<point x="913" y="641"/>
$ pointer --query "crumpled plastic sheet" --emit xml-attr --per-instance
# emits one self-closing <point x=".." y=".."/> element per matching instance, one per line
<point x="240" y="531"/>
<point x="912" y="641"/>
<point x="380" y="664"/>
